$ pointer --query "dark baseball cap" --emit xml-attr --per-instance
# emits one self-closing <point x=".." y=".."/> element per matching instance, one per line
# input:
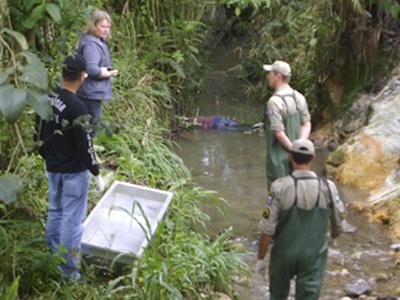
<point x="75" y="62"/>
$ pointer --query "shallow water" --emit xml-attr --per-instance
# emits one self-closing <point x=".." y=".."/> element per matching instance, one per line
<point x="233" y="164"/>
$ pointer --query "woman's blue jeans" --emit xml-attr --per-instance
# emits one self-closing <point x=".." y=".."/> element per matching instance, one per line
<point x="67" y="209"/>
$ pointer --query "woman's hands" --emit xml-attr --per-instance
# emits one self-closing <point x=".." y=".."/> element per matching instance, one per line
<point x="108" y="72"/>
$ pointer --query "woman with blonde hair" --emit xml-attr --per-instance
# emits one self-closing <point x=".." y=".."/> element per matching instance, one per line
<point x="93" y="47"/>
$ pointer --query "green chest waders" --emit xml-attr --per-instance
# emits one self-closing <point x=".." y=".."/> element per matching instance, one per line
<point x="300" y="249"/>
<point x="277" y="157"/>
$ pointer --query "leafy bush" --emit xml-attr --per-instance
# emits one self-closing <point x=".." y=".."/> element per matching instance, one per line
<point x="156" y="47"/>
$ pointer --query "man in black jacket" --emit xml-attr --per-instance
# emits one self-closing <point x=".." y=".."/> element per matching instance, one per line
<point x="69" y="155"/>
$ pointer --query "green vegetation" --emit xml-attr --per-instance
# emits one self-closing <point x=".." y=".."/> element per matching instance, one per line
<point x="156" y="47"/>
<point x="159" y="47"/>
<point x="336" y="158"/>
<point x="336" y="48"/>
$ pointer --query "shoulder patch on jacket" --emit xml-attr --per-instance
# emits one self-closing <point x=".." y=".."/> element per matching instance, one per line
<point x="266" y="213"/>
<point x="270" y="198"/>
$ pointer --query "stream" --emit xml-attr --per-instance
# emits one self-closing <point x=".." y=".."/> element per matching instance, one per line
<point x="233" y="164"/>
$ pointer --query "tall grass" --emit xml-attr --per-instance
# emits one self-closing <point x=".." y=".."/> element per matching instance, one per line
<point x="156" y="46"/>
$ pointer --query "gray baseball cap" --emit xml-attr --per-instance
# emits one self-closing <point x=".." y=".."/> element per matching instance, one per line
<point x="279" y="66"/>
<point x="303" y="146"/>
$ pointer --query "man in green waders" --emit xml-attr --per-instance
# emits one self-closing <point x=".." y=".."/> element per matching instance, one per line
<point x="296" y="216"/>
<point x="287" y="119"/>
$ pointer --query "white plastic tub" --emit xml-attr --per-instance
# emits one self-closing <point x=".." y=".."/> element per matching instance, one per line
<point x="123" y="221"/>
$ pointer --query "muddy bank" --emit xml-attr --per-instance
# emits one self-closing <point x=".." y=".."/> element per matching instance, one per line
<point x="366" y="147"/>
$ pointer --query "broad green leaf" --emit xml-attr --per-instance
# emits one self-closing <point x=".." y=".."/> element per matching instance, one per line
<point x="19" y="37"/>
<point x="31" y="58"/>
<point x="237" y="11"/>
<point x="12" y="102"/>
<point x="10" y="187"/>
<point x="54" y="11"/>
<point x="40" y="104"/>
<point x="34" y="72"/>
<point x="11" y="292"/>
<point x="37" y="14"/>
<point x="29" y="4"/>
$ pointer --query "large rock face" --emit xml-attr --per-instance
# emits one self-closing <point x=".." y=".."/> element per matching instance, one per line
<point x="369" y="157"/>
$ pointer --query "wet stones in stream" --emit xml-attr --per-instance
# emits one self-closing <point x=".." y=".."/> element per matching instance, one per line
<point x="349" y="274"/>
<point x="395" y="247"/>
<point x="348" y="228"/>
<point x="357" y="288"/>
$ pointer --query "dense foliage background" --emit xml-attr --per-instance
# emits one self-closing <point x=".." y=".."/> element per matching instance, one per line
<point x="336" y="48"/>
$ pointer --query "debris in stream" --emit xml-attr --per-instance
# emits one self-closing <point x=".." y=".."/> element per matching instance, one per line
<point x="357" y="288"/>
<point x="332" y="253"/>
<point x="348" y="228"/>
<point x="395" y="247"/>
<point x="387" y="298"/>
<point x="357" y="255"/>
<point x="382" y="277"/>
<point x="344" y="273"/>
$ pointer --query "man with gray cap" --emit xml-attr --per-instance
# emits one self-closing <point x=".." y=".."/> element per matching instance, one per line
<point x="296" y="216"/>
<point x="287" y="119"/>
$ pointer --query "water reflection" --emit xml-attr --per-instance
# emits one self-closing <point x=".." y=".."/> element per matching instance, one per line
<point x="231" y="163"/>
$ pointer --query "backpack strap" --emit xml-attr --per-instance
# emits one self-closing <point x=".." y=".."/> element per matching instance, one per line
<point x="284" y="101"/>
<point x="295" y="189"/>
<point x="283" y="97"/>
<point x="295" y="100"/>
<point x="296" y="179"/>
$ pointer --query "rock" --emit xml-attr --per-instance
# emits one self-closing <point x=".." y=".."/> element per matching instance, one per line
<point x="372" y="281"/>
<point x="357" y="255"/>
<point x="360" y="206"/>
<point x="336" y="158"/>
<point x="357" y="288"/>
<point x="221" y="296"/>
<point x="332" y="273"/>
<point x="348" y="228"/>
<point x="332" y="253"/>
<point x="344" y="273"/>
<point x="382" y="216"/>
<point x="345" y="298"/>
<point x="395" y="247"/>
<point x="367" y="298"/>
<point x="385" y="194"/>
<point x="332" y="145"/>
<point x="392" y="179"/>
<point x="382" y="277"/>
<point x="242" y="280"/>
<point x="373" y="123"/>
